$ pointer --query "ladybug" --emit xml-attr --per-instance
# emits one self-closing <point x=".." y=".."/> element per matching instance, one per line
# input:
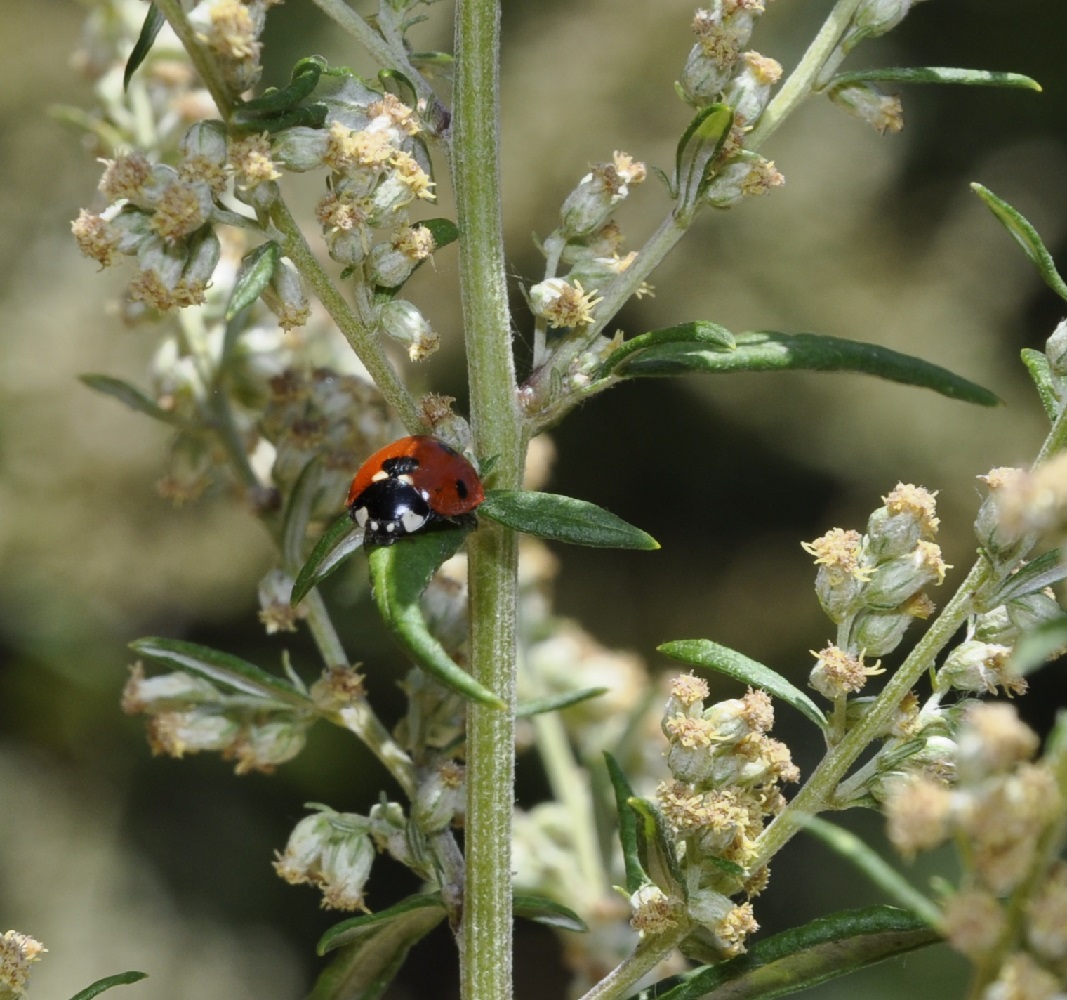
<point x="415" y="484"/>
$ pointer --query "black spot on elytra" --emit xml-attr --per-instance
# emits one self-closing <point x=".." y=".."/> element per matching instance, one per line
<point x="461" y="489"/>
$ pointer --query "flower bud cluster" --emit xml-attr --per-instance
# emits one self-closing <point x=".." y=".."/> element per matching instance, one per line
<point x="724" y="785"/>
<point x="717" y="68"/>
<point x="589" y="241"/>
<point x="872" y="586"/>
<point x="1002" y="806"/>
<point x="336" y="419"/>
<point x="378" y="171"/>
<point x="230" y="29"/>
<point x="188" y="714"/>
<point x="165" y="208"/>
<point x="1022" y="504"/>
<point x="719" y="71"/>
<point x="564" y="659"/>
<point x="17" y="953"/>
<point x="334" y="852"/>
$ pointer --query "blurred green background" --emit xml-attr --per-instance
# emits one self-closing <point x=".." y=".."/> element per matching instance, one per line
<point x="117" y="860"/>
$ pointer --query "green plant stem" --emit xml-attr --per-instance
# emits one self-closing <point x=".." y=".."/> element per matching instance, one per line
<point x="819" y="788"/>
<point x="389" y="56"/>
<point x="485" y="942"/>
<point x="201" y="59"/>
<point x="798" y="87"/>
<point x="570" y="787"/>
<point x="648" y="954"/>
<point x="358" y="718"/>
<point x="363" y="341"/>
<point x="616" y="294"/>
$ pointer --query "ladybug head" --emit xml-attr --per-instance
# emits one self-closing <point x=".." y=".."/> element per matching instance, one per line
<point x="389" y="509"/>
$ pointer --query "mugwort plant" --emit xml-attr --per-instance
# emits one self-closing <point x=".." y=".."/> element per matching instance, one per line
<point x="284" y="351"/>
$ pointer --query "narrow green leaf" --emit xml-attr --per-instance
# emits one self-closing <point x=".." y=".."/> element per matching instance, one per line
<point x="636" y="876"/>
<point x="871" y="863"/>
<point x="656" y="848"/>
<point x="355" y="929"/>
<point x="487" y="466"/>
<point x="307" y="115"/>
<point x="253" y="276"/>
<point x="803" y="957"/>
<point x="1044" y="381"/>
<point x="119" y="979"/>
<point x="275" y="101"/>
<point x="133" y="397"/>
<point x="770" y="351"/>
<point x="337" y="543"/>
<point x="710" y="335"/>
<point x="710" y="655"/>
<point x="218" y="666"/>
<point x="1026" y="236"/>
<point x="153" y="22"/>
<point x="1044" y="571"/>
<point x="698" y="150"/>
<point x="440" y="63"/>
<point x="542" y="910"/>
<point x="1039" y="645"/>
<point x="936" y="74"/>
<point x="378" y="945"/>
<point x="555" y="703"/>
<point x="297" y="514"/>
<point x="399" y="575"/>
<point x="730" y="868"/>
<point x="563" y="519"/>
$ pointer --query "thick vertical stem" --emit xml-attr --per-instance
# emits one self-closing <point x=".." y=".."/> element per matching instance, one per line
<point x="485" y="947"/>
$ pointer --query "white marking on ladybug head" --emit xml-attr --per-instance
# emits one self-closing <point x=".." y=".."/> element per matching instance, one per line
<point x="379" y="476"/>
<point x="411" y="522"/>
<point x="406" y="480"/>
<point x="390" y="527"/>
<point x="373" y="525"/>
<point x="361" y="516"/>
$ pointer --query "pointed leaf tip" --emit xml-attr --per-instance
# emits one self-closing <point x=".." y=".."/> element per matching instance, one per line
<point x="1026" y="236"/>
<point x="563" y="519"/>
<point x="771" y="350"/>
<point x="153" y="22"/>
<point x="399" y="575"/>
<point x="337" y="543"/>
<point x="118" y="979"/>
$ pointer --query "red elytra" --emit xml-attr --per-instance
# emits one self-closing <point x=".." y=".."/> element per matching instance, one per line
<point x="412" y="485"/>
